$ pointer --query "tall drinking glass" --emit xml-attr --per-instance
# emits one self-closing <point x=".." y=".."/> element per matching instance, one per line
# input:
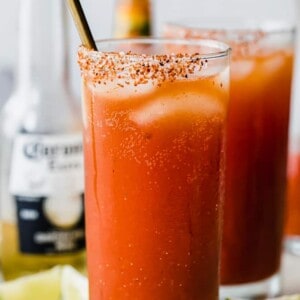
<point x="154" y="113"/>
<point x="257" y="133"/>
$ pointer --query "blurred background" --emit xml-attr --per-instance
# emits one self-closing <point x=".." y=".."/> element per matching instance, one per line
<point x="101" y="14"/>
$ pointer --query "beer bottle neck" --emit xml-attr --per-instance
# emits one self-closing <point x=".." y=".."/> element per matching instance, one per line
<point x="42" y="44"/>
<point x="132" y="18"/>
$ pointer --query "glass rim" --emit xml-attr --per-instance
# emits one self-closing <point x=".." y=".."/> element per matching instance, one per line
<point x="236" y="25"/>
<point x="112" y="63"/>
<point x="221" y="49"/>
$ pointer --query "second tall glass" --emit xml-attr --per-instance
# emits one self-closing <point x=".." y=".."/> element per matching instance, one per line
<point x="257" y="134"/>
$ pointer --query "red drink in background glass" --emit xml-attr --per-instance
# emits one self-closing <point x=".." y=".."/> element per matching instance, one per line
<point x="153" y="134"/>
<point x="256" y="151"/>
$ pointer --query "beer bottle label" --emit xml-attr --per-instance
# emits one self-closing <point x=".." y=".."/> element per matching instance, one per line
<point x="46" y="181"/>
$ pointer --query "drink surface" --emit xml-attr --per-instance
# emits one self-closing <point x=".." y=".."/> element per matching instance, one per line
<point x="293" y="196"/>
<point x="153" y="159"/>
<point x="256" y="151"/>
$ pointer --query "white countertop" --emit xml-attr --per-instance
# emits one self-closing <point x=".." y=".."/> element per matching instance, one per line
<point x="291" y="274"/>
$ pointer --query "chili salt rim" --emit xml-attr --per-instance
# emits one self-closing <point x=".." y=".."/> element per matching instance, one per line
<point x="101" y="66"/>
<point x="236" y="26"/>
<point x="243" y="35"/>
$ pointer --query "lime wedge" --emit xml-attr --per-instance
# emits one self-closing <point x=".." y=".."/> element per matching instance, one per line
<point x="44" y="285"/>
<point x="74" y="286"/>
<point x="59" y="283"/>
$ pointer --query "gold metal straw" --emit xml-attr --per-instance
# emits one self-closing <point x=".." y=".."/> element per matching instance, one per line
<point x="82" y="24"/>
